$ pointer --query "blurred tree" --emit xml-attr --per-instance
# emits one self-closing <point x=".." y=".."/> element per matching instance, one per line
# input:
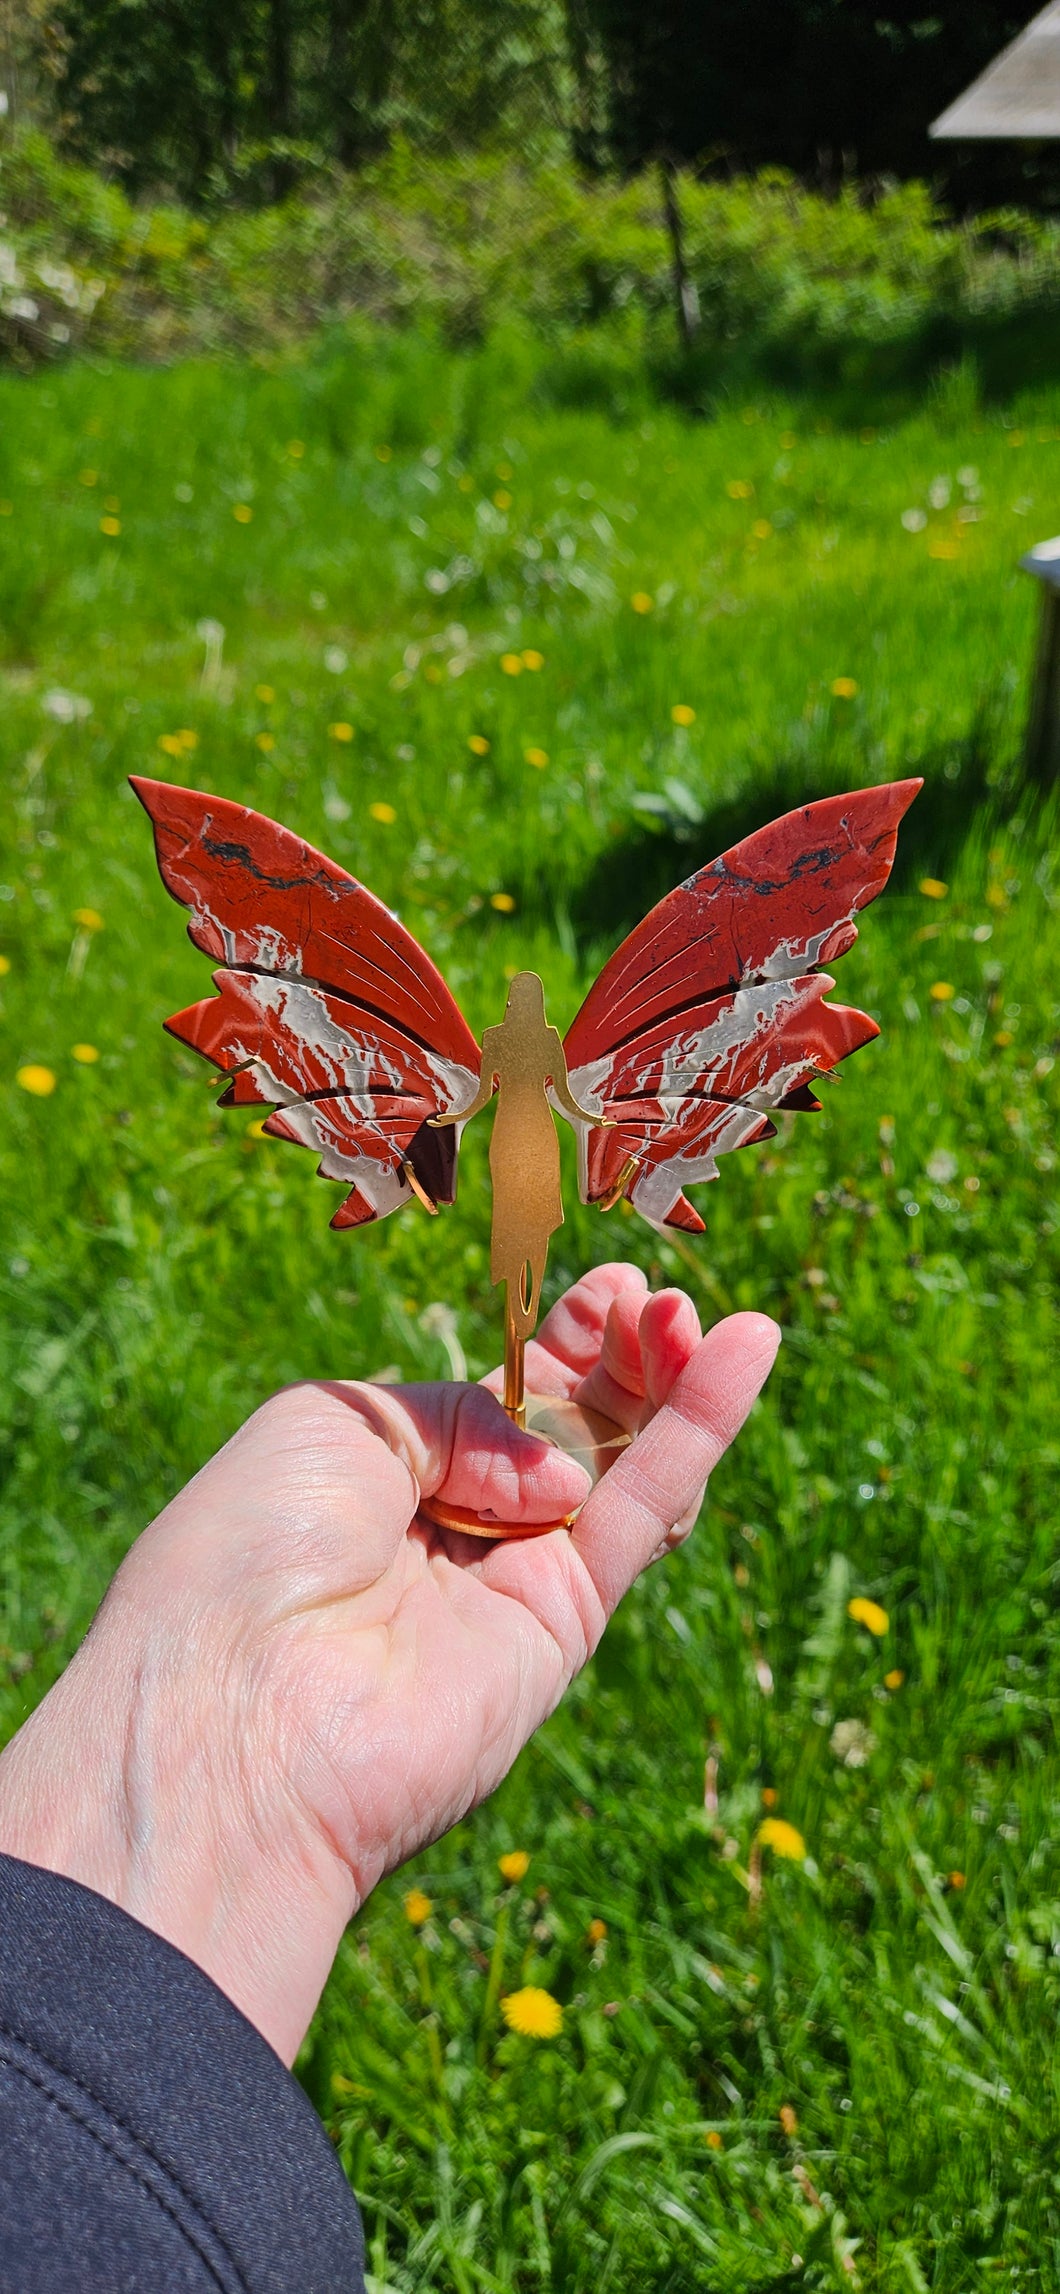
<point x="212" y="96"/>
<point x="828" y="88"/>
<point x="254" y="94"/>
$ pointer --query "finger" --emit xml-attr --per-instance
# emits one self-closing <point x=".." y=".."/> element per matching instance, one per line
<point x="653" y="1485"/>
<point x="647" y="1342"/>
<point x="458" y="1444"/>
<point x="571" y="1335"/>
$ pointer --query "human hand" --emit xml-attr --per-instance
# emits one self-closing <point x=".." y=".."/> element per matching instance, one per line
<point x="295" y="1681"/>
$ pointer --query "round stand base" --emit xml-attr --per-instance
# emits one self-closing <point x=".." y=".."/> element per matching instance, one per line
<point x="595" y="1441"/>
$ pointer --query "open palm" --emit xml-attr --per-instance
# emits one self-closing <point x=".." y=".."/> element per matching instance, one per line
<point x="325" y="1681"/>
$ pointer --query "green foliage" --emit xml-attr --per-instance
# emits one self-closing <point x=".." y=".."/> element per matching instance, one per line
<point x="254" y="96"/>
<point x="792" y="287"/>
<point x="249" y="98"/>
<point x="162" y="1268"/>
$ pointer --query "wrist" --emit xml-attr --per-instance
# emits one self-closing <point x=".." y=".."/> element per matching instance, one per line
<point x="133" y="1778"/>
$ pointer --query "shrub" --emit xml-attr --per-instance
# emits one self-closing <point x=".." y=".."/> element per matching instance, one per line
<point x="792" y="285"/>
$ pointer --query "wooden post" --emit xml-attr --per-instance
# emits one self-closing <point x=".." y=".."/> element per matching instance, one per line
<point x="1042" y="752"/>
<point x="685" y="295"/>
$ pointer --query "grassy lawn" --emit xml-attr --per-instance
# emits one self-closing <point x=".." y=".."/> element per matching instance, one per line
<point x="412" y="556"/>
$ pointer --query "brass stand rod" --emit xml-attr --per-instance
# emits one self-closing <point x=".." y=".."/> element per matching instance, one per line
<point x="514" y="1380"/>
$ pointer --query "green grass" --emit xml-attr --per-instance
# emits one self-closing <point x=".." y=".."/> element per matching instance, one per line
<point x="161" y="1269"/>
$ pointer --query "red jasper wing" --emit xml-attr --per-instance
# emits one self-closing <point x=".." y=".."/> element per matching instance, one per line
<point x="712" y="1012"/>
<point x="327" y="1009"/>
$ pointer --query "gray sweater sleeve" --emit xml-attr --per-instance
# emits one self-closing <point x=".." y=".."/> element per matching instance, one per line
<point x="150" y="2140"/>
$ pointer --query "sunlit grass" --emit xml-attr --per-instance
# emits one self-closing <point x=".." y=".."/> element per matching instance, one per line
<point x="847" y="2056"/>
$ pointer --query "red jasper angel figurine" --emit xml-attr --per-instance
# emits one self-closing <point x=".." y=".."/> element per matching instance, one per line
<point x="708" y="1018"/>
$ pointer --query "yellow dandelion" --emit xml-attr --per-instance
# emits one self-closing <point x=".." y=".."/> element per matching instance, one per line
<point x="941" y="546"/>
<point x="515" y="1865"/>
<point x="844" y="688"/>
<point x="933" y="888"/>
<point x="739" y="489"/>
<point x="761" y="529"/>
<point x="89" y="919"/>
<point x="502" y="498"/>
<point x="941" y="992"/>
<point x="478" y="745"/>
<point x="713" y="2141"/>
<point x="169" y="743"/>
<point x="641" y="602"/>
<point x="538" y="757"/>
<point x="770" y="1796"/>
<point x="533" y="2013"/>
<point x="1003" y="1038"/>
<point x="893" y="1680"/>
<point x="85" y="1054"/>
<point x="789" y="2119"/>
<point x="418" y="1907"/>
<point x="266" y="742"/>
<point x="774" y="1832"/>
<point x="295" y="448"/>
<point x="596" y="1931"/>
<point x="532" y="659"/>
<point x="257" y="1130"/>
<point x="383" y="453"/>
<point x="383" y="812"/>
<point x="503" y="902"/>
<point x="242" y="513"/>
<point x="512" y="664"/>
<point x="39" y="1081"/>
<point x="5" y="966"/>
<point x="340" y="732"/>
<point x="869" y="1614"/>
<point x="110" y="525"/>
<point x="682" y="714"/>
<point x="265" y="693"/>
<point x="957" y="1880"/>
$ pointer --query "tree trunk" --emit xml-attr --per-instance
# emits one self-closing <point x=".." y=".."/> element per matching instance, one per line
<point x="281" y="113"/>
<point x="686" y="299"/>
